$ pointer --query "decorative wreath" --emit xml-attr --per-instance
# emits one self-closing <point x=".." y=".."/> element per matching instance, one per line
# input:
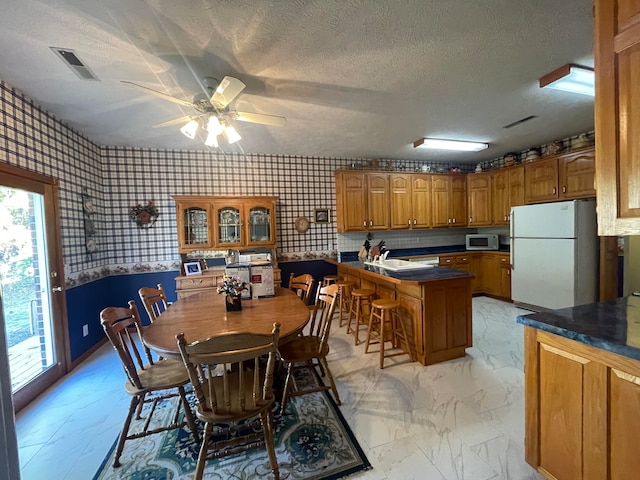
<point x="144" y="215"/>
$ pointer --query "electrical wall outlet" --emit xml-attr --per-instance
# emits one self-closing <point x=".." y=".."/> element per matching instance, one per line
<point x="85" y="330"/>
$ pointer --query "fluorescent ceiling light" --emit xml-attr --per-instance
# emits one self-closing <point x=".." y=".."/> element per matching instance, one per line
<point x="190" y="129"/>
<point x="439" y="144"/>
<point x="570" y="78"/>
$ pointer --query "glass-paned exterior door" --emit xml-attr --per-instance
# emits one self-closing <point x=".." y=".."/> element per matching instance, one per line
<point x="26" y="285"/>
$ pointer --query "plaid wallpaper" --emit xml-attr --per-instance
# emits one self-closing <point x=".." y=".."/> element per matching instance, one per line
<point x="118" y="177"/>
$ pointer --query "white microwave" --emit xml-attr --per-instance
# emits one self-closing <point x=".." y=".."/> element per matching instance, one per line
<point x="482" y="241"/>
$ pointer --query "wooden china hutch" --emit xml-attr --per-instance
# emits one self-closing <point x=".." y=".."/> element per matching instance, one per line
<point x="222" y="223"/>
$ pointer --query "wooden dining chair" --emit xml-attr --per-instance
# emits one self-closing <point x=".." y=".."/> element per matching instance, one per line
<point x="302" y="285"/>
<point x="309" y="351"/>
<point x="233" y="382"/>
<point x="147" y="382"/>
<point x="154" y="301"/>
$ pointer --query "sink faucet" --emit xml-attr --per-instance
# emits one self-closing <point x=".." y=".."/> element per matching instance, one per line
<point x="384" y="256"/>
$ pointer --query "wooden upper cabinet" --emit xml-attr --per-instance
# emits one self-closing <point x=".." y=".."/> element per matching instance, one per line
<point x="378" y="201"/>
<point x="362" y="201"/>
<point x="449" y="200"/>
<point x="576" y="173"/>
<point x="421" y="200"/>
<point x="194" y="225"/>
<point x="410" y="200"/>
<point x="567" y="176"/>
<point x="206" y="222"/>
<point x="479" y="199"/>
<point x="617" y="115"/>
<point x="541" y="181"/>
<point x="507" y="191"/>
<point x="351" y="201"/>
<point x="516" y="187"/>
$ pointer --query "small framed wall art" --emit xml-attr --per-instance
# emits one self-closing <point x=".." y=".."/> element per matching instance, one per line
<point x="192" y="268"/>
<point x="322" y="215"/>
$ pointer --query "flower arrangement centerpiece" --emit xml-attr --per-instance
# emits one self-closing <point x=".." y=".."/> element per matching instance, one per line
<point x="232" y="287"/>
<point x="145" y="215"/>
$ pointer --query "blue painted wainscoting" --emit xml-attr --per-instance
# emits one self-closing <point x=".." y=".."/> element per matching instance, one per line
<point x="85" y="302"/>
<point x="317" y="268"/>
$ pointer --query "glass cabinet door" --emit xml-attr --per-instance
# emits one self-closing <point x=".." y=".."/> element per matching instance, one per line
<point x="229" y="225"/>
<point x="196" y="226"/>
<point x="260" y="224"/>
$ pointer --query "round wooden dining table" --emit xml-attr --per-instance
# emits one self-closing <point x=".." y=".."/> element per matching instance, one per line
<point x="204" y="315"/>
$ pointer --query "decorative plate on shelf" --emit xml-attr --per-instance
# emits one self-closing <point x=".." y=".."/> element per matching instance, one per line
<point x="302" y="224"/>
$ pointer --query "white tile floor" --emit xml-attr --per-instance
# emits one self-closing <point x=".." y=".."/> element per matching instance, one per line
<point x="462" y="419"/>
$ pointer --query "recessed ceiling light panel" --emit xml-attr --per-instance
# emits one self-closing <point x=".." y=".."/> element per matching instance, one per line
<point x="571" y="78"/>
<point x="458" y="145"/>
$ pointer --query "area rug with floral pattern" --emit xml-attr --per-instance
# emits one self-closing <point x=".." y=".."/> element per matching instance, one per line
<point x="313" y="442"/>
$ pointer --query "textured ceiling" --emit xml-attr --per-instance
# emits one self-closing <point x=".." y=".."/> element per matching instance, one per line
<point x="354" y="78"/>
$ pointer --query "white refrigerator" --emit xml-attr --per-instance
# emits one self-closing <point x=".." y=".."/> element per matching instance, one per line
<point x="554" y="254"/>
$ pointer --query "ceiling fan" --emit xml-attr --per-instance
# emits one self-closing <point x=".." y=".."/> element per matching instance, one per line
<point x="212" y="110"/>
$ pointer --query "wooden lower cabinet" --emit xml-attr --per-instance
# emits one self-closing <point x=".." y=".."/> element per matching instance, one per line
<point x="436" y="314"/>
<point x="581" y="410"/>
<point x="208" y="281"/>
<point x="492" y="271"/>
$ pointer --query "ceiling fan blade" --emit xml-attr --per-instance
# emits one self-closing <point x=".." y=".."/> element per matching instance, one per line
<point x="175" y="121"/>
<point x="260" y="118"/>
<point x="159" y="94"/>
<point x="228" y="89"/>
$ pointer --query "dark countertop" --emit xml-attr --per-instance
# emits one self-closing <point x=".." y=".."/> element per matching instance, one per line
<point x="431" y="274"/>
<point x="613" y="326"/>
<point x="423" y="252"/>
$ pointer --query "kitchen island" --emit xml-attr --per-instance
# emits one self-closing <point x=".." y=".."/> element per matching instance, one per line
<point x="582" y="391"/>
<point x="435" y="305"/>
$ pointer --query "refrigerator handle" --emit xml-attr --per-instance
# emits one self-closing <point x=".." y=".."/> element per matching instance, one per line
<point x="511" y="242"/>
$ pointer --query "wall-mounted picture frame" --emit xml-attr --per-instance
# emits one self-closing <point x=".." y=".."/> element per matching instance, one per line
<point x="192" y="268"/>
<point x="322" y="215"/>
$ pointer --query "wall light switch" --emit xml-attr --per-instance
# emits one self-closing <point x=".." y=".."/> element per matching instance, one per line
<point x="85" y="330"/>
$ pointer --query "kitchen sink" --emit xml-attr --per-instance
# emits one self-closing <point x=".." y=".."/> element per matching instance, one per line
<point x="396" y="265"/>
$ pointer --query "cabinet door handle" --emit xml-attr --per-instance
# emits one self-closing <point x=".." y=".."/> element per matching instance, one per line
<point x="409" y="222"/>
<point x="564" y="189"/>
<point x="454" y="220"/>
<point x="414" y="221"/>
<point x="554" y="190"/>
<point x="449" y="220"/>
<point x="470" y="220"/>
<point x="371" y="223"/>
<point x="364" y="223"/>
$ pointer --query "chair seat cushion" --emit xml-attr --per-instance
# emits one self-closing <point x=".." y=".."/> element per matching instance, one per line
<point x="301" y="349"/>
<point x="162" y="374"/>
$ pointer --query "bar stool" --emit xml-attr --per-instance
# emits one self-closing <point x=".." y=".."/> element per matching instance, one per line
<point x="329" y="279"/>
<point x="344" y="300"/>
<point x="360" y="298"/>
<point x="386" y="325"/>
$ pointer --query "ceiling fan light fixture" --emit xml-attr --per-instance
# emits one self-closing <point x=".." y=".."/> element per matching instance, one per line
<point x="231" y="134"/>
<point x="441" y="144"/>
<point x="190" y="129"/>
<point x="570" y="78"/>
<point x="214" y="127"/>
<point x="212" y="140"/>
